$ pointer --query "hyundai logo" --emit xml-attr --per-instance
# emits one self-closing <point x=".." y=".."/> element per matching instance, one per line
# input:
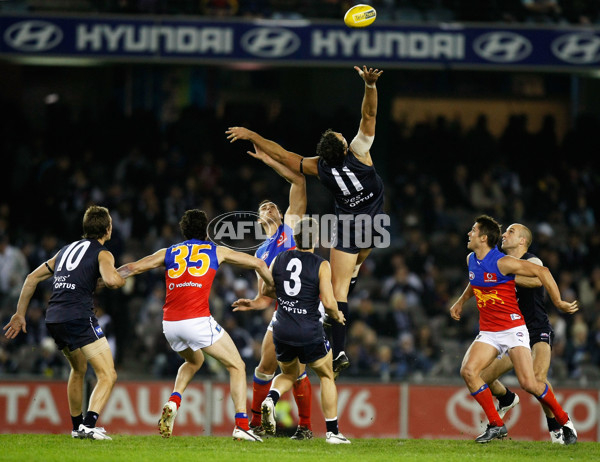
<point x="33" y="36"/>
<point x="577" y="48"/>
<point x="502" y="47"/>
<point x="270" y="42"/>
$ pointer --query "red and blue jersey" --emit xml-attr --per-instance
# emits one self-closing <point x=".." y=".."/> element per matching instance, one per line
<point x="495" y="293"/>
<point x="280" y="241"/>
<point x="190" y="269"/>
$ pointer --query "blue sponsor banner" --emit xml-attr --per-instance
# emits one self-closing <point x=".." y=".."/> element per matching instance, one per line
<point x="301" y="42"/>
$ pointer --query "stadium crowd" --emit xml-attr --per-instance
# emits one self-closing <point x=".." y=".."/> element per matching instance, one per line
<point x="580" y="12"/>
<point x="439" y="176"/>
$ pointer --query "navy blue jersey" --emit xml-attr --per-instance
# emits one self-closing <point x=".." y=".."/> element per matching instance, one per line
<point x="356" y="187"/>
<point x="296" y="276"/>
<point x="75" y="277"/>
<point x="532" y="304"/>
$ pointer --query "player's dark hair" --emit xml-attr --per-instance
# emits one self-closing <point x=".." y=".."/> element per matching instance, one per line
<point x="330" y="148"/>
<point x="96" y="222"/>
<point x="306" y="233"/>
<point x="269" y="201"/>
<point x="491" y="228"/>
<point x="193" y="224"/>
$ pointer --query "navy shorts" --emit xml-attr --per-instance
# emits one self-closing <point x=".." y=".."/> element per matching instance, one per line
<point x="76" y="333"/>
<point x="545" y="335"/>
<point x="306" y="354"/>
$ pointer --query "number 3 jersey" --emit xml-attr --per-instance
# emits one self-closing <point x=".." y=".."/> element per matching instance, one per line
<point x="495" y="293"/>
<point x="297" y="320"/>
<point x="75" y="278"/>
<point x="190" y="269"/>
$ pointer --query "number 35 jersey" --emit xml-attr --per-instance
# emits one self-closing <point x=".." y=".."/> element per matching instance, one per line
<point x="190" y="269"/>
<point x="297" y="320"/>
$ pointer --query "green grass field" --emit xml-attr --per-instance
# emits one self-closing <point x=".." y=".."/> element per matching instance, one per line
<point x="47" y="448"/>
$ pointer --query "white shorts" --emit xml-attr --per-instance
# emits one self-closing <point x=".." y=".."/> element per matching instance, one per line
<point x="321" y="310"/>
<point x="505" y="339"/>
<point x="195" y="333"/>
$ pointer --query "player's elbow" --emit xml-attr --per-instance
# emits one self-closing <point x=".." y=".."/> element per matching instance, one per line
<point x="114" y="282"/>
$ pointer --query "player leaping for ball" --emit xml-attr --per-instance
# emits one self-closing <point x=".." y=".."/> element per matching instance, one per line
<point x="279" y="228"/>
<point x="348" y="172"/>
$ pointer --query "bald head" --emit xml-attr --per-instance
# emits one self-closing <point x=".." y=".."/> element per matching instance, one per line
<point x="517" y="237"/>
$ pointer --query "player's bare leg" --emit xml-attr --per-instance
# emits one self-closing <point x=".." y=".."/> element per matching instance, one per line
<point x="225" y="351"/>
<point x="329" y="396"/>
<point x="185" y="374"/>
<point x="75" y="387"/>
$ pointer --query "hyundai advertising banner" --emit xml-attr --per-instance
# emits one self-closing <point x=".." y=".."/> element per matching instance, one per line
<point x="200" y="40"/>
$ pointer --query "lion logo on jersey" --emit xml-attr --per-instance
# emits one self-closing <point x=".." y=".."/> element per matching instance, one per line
<point x="487" y="296"/>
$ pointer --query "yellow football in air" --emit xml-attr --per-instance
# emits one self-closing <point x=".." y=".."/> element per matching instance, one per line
<point x="360" y="16"/>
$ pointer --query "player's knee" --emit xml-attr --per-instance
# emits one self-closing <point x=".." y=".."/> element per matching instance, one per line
<point x="238" y="367"/>
<point x="468" y="373"/>
<point x="112" y="376"/>
<point x="267" y="367"/>
<point x="531" y="386"/>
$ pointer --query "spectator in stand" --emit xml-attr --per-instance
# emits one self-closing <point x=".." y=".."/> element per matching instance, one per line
<point x="13" y="271"/>
<point x="542" y="11"/>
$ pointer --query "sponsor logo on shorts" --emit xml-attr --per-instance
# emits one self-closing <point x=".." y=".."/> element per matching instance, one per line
<point x="98" y="330"/>
<point x="520" y="334"/>
<point x="218" y="328"/>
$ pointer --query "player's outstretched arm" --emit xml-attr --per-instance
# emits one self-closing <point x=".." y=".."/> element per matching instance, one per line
<point x="243" y="260"/>
<point x="260" y="302"/>
<point x="274" y="150"/>
<point x="369" y="102"/>
<point x="297" y="204"/>
<point x="516" y="266"/>
<point x="156" y="260"/>
<point x="17" y="322"/>
<point x="112" y="279"/>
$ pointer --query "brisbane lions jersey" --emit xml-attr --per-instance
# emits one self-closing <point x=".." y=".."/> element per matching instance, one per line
<point x="495" y="293"/>
<point x="190" y="269"/>
<point x="282" y="240"/>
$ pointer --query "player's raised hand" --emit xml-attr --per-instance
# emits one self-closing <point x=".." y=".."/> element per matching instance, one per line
<point x="258" y="154"/>
<point x="370" y="75"/>
<point x="237" y="133"/>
